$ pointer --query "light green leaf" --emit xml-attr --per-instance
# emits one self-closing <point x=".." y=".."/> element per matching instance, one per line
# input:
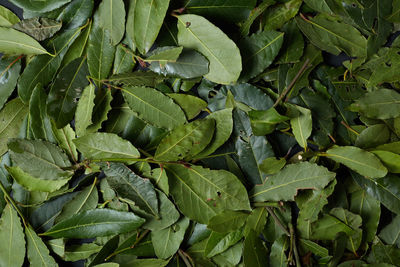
<point x="7" y="17"/>
<point x="166" y="242"/>
<point x="197" y="33"/>
<point x="129" y="185"/>
<point x="80" y="252"/>
<point x="218" y="243"/>
<point x="332" y="35"/>
<point x="210" y="191"/>
<point x="13" y="42"/>
<point x="284" y="185"/>
<point x="389" y="159"/>
<point x="35" y="183"/>
<point x="256" y="221"/>
<point x="12" y="247"/>
<point x="106" y="147"/>
<point x="95" y="223"/>
<point x="154" y="107"/>
<point x="64" y="137"/>
<point x="272" y="165"/>
<point x="84" y="110"/>
<point x="124" y="61"/>
<point x="160" y="179"/>
<point x="39" y="158"/>
<point x="148" y="18"/>
<point x="185" y="141"/>
<point x="9" y="73"/>
<point x="38" y="28"/>
<point x="163" y="55"/>
<point x="102" y="105"/>
<point x="302" y="125"/>
<point x="111" y="16"/>
<point x="264" y="121"/>
<point x="191" y="105"/>
<point x="11" y="116"/>
<point x="223" y="130"/>
<point x="361" y="161"/>
<point x="258" y="52"/>
<point x="38" y="253"/>
<point x="379" y="104"/>
<point x="227" y="221"/>
<point x="67" y="87"/>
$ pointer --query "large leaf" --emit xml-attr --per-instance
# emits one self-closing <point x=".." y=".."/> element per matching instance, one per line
<point x="197" y="33"/>
<point x="67" y="87"/>
<point x="361" y="161"/>
<point x="167" y="241"/>
<point x="13" y="42"/>
<point x="285" y="184"/>
<point x="9" y="73"/>
<point x="106" y="147"/>
<point x="94" y="223"/>
<point x="39" y="120"/>
<point x="11" y="117"/>
<point x="39" y="158"/>
<point x="232" y="10"/>
<point x="38" y="253"/>
<point x="38" y="28"/>
<point x="333" y="36"/>
<point x="12" y="249"/>
<point x="111" y="16"/>
<point x="84" y="110"/>
<point x="258" y="52"/>
<point x="210" y="191"/>
<point x="185" y="141"/>
<point x="154" y="107"/>
<point x="148" y="18"/>
<point x="379" y="104"/>
<point x="42" y="68"/>
<point x="131" y="186"/>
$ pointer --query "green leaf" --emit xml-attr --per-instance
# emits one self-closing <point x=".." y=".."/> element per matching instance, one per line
<point x="211" y="191"/>
<point x="197" y="33"/>
<point x="256" y="221"/>
<point x="94" y="223"/>
<point x="301" y="125"/>
<point x="106" y="147"/>
<point x="39" y="121"/>
<point x="9" y="73"/>
<point x="133" y="187"/>
<point x="218" y="243"/>
<point x="86" y="199"/>
<point x="100" y="53"/>
<point x="227" y="221"/>
<point x="154" y="107"/>
<point x="35" y="183"/>
<point x="13" y="42"/>
<point x="64" y="137"/>
<point x="146" y="263"/>
<point x="79" y="46"/>
<point x="272" y="165"/>
<point x="254" y="14"/>
<point x="11" y="117"/>
<point x="389" y="159"/>
<point x="166" y="242"/>
<point x="191" y="105"/>
<point x="12" y="249"/>
<point x="258" y="52"/>
<point x="293" y="44"/>
<point x="42" y="68"/>
<point x="285" y="184"/>
<point x="148" y="18"/>
<point x="380" y="104"/>
<point x="185" y="141"/>
<point x="278" y="15"/>
<point x="160" y="179"/>
<point x="84" y="110"/>
<point x="80" y="252"/>
<point x="264" y="121"/>
<point x="390" y="234"/>
<point x="361" y="161"/>
<point x="38" y="28"/>
<point x="223" y="130"/>
<point x="7" y="17"/>
<point x="102" y="105"/>
<point x="123" y="61"/>
<point x="231" y="11"/>
<point x="111" y="16"/>
<point x="40" y="159"/>
<point x="332" y="35"/>
<point x="76" y="14"/>
<point x="277" y="256"/>
<point x="136" y="78"/>
<point x="41" y="6"/>
<point x="38" y="253"/>
<point x="162" y="55"/>
<point x="373" y="136"/>
<point x="254" y="252"/>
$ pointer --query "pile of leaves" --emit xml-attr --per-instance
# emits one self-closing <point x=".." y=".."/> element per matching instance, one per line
<point x="200" y="133"/>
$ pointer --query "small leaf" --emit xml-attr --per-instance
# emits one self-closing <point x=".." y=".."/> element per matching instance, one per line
<point x="94" y="223"/>
<point x="84" y="110"/>
<point x="64" y="137"/>
<point x="13" y="42"/>
<point x="9" y="73"/>
<point x="12" y="249"/>
<point x="285" y="184"/>
<point x="106" y="147"/>
<point x="361" y="161"/>
<point x="7" y="17"/>
<point x="38" y="28"/>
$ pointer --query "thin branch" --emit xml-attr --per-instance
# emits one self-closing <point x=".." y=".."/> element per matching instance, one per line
<point x="277" y="220"/>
